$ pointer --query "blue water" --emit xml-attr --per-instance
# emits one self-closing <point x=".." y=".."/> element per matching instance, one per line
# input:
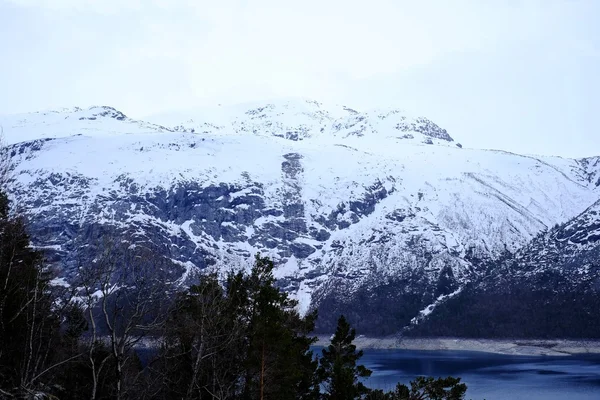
<point x="491" y="376"/>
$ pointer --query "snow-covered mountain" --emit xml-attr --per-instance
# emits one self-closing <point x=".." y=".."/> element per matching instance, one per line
<point x="366" y="212"/>
<point x="549" y="288"/>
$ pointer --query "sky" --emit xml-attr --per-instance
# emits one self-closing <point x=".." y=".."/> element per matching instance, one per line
<point x="515" y="75"/>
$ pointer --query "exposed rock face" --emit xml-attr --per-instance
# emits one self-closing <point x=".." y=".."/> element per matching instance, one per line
<point x="591" y="169"/>
<point x="373" y="214"/>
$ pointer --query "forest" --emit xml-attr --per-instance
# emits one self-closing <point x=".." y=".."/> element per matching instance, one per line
<point x="546" y="305"/>
<point x="120" y="331"/>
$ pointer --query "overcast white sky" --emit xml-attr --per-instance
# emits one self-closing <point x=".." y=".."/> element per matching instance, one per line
<point x="518" y="75"/>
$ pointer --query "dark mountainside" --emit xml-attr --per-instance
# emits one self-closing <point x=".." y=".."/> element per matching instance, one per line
<point x="121" y="333"/>
<point x="549" y="289"/>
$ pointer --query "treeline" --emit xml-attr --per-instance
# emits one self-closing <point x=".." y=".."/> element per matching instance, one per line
<point x="118" y="332"/>
<point x="545" y="305"/>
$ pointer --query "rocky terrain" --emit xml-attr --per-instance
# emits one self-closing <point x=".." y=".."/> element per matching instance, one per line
<point x="549" y="288"/>
<point x="376" y="214"/>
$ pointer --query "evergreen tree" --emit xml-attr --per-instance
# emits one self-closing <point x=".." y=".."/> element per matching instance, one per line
<point x="428" y="388"/>
<point x="279" y="363"/>
<point x="338" y="369"/>
<point x="424" y="388"/>
<point x="244" y="341"/>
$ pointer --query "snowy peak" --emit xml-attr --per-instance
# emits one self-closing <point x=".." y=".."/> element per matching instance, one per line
<point x="391" y="124"/>
<point x="294" y="120"/>
<point x="93" y="121"/>
<point x="100" y="112"/>
<point x="290" y="119"/>
<point x="302" y="119"/>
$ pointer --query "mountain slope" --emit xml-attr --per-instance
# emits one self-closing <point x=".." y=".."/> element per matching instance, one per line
<point x="362" y="211"/>
<point x="550" y="288"/>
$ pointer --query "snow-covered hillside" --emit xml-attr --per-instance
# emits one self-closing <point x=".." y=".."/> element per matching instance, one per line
<point x="550" y="288"/>
<point x="343" y="199"/>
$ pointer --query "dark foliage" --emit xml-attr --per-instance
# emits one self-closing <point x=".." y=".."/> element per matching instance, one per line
<point x="246" y="341"/>
<point x="424" y="389"/>
<point x="38" y="331"/>
<point x="518" y="308"/>
<point x="397" y="301"/>
<point x="338" y="369"/>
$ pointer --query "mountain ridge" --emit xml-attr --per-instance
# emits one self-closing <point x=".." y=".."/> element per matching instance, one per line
<point x="365" y="205"/>
<point x="550" y="288"/>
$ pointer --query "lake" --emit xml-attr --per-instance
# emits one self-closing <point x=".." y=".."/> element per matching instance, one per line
<point x="491" y="376"/>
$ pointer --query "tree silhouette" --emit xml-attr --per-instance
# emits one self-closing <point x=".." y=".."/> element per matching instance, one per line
<point x="338" y="369"/>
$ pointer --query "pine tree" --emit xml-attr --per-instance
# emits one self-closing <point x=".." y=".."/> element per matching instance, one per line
<point x="243" y="341"/>
<point x="279" y="363"/>
<point x="338" y="369"/>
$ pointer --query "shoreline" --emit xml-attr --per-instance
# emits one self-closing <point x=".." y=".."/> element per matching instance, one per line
<point x="517" y="347"/>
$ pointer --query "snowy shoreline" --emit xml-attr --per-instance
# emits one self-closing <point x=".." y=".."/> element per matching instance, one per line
<point x="523" y="347"/>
